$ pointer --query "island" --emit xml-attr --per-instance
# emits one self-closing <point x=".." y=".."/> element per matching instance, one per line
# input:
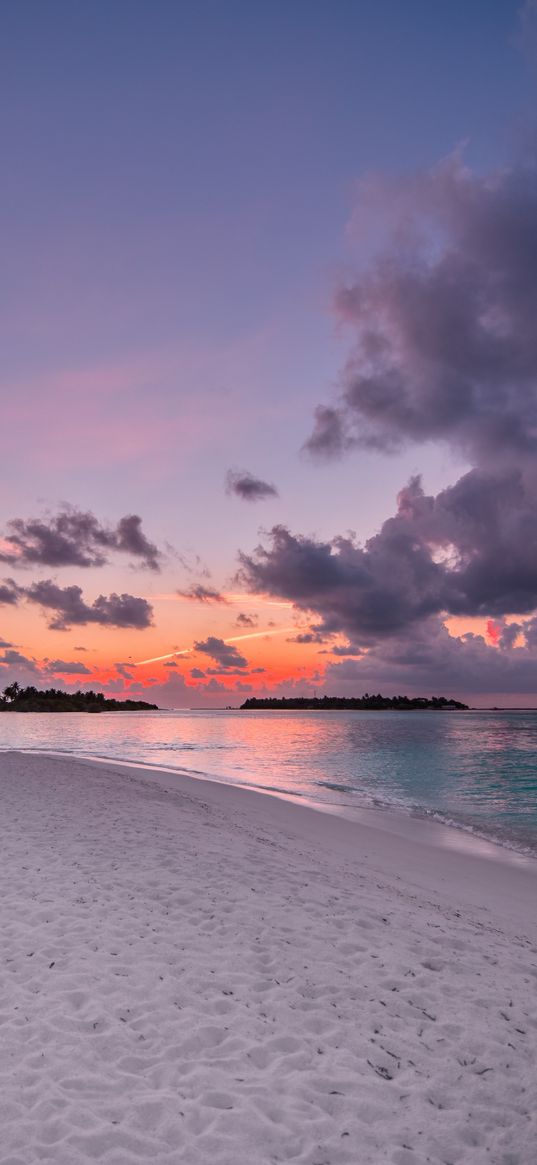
<point x="365" y="703"/>
<point x="17" y="699"/>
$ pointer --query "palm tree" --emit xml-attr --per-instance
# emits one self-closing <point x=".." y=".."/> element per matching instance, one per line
<point x="12" y="691"/>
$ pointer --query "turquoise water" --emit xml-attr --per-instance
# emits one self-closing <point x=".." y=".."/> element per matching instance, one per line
<point x="477" y="770"/>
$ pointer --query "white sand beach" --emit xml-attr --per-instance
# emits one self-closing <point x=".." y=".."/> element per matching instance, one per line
<point x="193" y="973"/>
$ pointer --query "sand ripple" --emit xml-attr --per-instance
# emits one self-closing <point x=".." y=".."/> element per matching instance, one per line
<point x="179" y="984"/>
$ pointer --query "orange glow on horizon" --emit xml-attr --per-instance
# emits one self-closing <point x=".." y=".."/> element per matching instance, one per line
<point x="479" y="625"/>
<point x="231" y="639"/>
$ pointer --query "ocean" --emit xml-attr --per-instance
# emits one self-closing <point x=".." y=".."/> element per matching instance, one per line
<point x="474" y="770"/>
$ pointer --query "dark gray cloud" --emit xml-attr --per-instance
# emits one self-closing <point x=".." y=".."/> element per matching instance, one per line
<point x="471" y="550"/>
<point x="76" y="538"/>
<point x="445" y="349"/>
<point x="444" y="321"/>
<point x="130" y="538"/>
<point x="197" y="673"/>
<point x="22" y="662"/>
<point x="67" y="668"/>
<point x="203" y="594"/>
<point x="9" y="592"/>
<point x="374" y="591"/>
<point x="485" y="527"/>
<point x="432" y="661"/>
<point x="307" y="637"/>
<point x="224" y="654"/>
<point x="330" y="436"/>
<point x="71" y="610"/>
<point x="251" y="489"/>
<point x="124" y="670"/>
<point x="4" y="643"/>
<point x="215" y="686"/>
<point x="116" y="686"/>
<point x="244" y="620"/>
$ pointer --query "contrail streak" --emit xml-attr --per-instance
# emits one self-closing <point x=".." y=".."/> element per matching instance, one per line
<point x="259" y="634"/>
<point x="156" y="658"/>
<point x="232" y="639"/>
<point x="230" y="596"/>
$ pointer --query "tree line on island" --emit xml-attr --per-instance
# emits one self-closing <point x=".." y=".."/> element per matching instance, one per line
<point x="17" y="699"/>
<point x="355" y="703"/>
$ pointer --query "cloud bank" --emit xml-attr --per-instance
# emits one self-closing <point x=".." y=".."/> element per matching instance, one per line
<point x="471" y="550"/>
<point x="445" y="344"/>
<point x="444" y="349"/>
<point x="434" y="661"/>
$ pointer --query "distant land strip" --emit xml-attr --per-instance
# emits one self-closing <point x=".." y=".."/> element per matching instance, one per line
<point x="17" y="699"/>
<point x="355" y="703"/>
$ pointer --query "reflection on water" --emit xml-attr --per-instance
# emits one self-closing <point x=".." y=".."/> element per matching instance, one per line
<point x="478" y="769"/>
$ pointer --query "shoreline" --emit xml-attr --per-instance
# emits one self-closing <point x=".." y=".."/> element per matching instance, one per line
<point x="194" y="971"/>
<point x="483" y="793"/>
<point x="433" y="852"/>
<point x="408" y="820"/>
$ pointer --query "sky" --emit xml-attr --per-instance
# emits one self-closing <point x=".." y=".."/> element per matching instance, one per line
<point x="269" y="374"/>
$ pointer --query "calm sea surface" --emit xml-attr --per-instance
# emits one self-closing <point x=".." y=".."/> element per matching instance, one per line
<point x="477" y="770"/>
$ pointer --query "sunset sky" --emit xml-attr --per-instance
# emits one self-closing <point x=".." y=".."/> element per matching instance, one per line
<point x="269" y="348"/>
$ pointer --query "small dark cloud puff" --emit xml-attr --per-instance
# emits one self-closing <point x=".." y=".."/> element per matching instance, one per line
<point x="197" y="673"/>
<point x="223" y="654"/>
<point x="67" y="667"/>
<point x="203" y="594"/>
<point x="329" y="437"/>
<point x="9" y="592"/>
<point x="249" y="488"/>
<point x="76" y="538"/>
<point x="307" y="637"/>
<point x="244" y="620"/>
